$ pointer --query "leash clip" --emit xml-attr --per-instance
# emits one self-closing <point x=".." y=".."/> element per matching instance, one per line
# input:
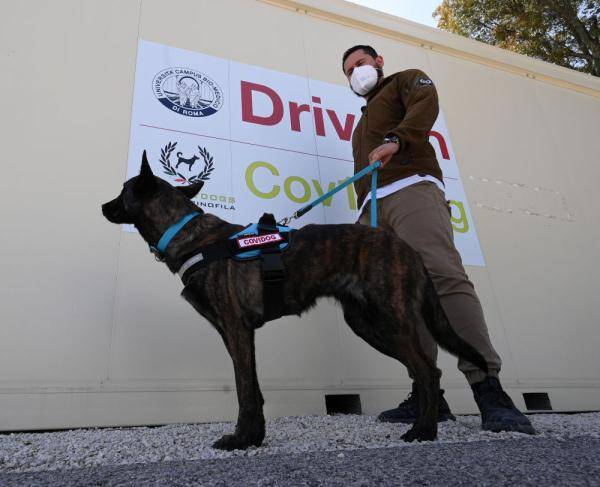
<point x="284" y="221"/>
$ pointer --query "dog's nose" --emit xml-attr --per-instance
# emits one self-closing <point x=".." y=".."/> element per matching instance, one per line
<point x="108" y="209"/>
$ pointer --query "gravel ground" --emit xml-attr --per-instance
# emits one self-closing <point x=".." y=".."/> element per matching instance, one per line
<point x="85" y="448"/>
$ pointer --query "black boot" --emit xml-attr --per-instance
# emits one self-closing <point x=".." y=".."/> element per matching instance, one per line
<point x="406" y="412"/>
<point x="498" y="412"/>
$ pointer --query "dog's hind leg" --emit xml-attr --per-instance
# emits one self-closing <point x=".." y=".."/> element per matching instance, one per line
<point x="397" y="337"/>
<point x="250" y="427"/>
<point x="427" y="380"/>
<point x="425" y="374"/>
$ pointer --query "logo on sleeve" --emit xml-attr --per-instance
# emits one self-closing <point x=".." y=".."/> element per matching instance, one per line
<point x="424" y="81"/>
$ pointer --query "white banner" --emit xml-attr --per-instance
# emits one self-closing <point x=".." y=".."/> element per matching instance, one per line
<point x="261" y="140"/>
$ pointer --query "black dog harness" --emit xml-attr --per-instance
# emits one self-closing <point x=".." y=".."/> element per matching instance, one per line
<point x="265" y="240"/>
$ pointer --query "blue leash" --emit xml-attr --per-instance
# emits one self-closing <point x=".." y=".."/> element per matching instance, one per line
<point x="369" y="169"/>
<point x="169" y="234"/>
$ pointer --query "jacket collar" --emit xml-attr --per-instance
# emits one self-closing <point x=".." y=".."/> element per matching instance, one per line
<point x="373" y="93"/>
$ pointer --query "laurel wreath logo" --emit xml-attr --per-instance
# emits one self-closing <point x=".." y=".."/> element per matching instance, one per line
<point x="204" y="175"/>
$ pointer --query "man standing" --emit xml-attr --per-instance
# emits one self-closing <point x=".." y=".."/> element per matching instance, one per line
<point x="399" y="113"/>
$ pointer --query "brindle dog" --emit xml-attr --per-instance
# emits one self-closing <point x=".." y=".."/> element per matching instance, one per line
<point x="380" y="282"/>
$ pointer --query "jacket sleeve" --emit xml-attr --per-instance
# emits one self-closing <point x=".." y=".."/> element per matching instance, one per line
<point x="420" y="100"/>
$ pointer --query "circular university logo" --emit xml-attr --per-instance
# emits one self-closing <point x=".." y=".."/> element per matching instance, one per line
<point x="187" y="92"/>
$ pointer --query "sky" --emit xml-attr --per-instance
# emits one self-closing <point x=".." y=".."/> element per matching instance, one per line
<point x="416" y="10"/>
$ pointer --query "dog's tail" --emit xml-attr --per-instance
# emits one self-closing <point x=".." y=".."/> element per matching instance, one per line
<point x="439" y="326"/>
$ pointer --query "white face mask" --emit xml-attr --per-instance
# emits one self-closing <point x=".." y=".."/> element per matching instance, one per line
<point x="363" y="79"/>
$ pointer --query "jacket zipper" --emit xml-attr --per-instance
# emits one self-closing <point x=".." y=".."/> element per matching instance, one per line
<point x="362" y="137"/>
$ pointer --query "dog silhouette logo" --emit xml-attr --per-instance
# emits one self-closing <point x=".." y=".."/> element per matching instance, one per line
<point x="186" y="160"/>
<point x="181" y="176"/>
<point x="187" y="92"/>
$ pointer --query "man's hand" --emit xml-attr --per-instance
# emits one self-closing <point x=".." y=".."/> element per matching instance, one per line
<point x="383" y="153"/>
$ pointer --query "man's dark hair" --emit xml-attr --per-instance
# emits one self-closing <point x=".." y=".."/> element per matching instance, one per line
<point x="368" y="50"/>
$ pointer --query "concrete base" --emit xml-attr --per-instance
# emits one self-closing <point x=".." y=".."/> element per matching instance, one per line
<point x="44" y="410"/>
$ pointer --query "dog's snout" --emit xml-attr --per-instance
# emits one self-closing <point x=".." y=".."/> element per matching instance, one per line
<point x="114" y="212"/>
<point x="107" y="207"/>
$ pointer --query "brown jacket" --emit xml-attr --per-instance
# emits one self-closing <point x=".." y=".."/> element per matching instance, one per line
<point x="404" y="104"/>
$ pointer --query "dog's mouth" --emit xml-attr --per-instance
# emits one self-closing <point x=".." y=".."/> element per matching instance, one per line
<point x="114" y="212"/>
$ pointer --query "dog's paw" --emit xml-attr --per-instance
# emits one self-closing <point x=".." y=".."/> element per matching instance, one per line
<point x="236" y="442"/>
<point x="419" y="434"/>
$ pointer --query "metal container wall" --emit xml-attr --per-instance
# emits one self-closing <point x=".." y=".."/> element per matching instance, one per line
<point x="92" y="330"/>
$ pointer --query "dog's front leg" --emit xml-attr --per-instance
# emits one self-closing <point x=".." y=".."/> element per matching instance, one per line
<point x="250" y="428"/>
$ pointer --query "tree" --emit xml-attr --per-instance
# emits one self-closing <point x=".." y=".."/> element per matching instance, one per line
<point x="564" y="32"/>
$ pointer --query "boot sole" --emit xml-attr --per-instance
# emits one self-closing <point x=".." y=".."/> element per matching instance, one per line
<point x="441" y="419"/>
<point x="514" y="428"/>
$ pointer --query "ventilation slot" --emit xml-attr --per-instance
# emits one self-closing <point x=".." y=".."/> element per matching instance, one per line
<point x="537" y="401"/>
<point x="343" y="404"/>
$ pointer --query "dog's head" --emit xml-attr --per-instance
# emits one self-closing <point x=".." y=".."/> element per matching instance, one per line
<point x="147" y="195"/>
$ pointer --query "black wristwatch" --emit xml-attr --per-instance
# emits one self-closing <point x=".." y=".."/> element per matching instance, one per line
<point x="392" y="139"/>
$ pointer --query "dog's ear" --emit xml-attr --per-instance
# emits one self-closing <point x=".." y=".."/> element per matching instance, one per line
<point x="191" y="190"/>
<point x="145" y="182"/>
<point x="146" y="170"/>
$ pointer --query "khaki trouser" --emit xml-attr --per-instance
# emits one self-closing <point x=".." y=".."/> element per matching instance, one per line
<point x="419" y="214"/>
